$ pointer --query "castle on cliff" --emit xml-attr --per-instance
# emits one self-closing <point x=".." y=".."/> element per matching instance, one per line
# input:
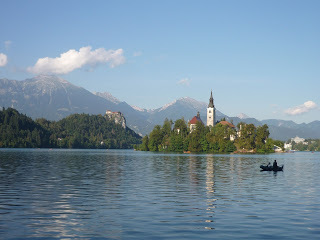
<point x="117" y="117"/>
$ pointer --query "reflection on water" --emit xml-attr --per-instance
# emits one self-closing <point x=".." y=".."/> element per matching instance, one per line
<point x="127" y="194"/>
<point x="210" y="201"/>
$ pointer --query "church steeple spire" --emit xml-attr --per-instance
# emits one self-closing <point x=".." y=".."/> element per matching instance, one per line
<point x="211" y="112"/>
<point x="211" y="101"/>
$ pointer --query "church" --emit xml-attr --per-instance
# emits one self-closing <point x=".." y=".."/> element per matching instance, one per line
<point x="211" y="120"/>
<point x="211" y="116"/>
<point x="211" y="112"/>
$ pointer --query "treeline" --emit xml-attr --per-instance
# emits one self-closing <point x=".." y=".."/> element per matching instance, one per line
<point x="75" y="131"/>
<point x="218" y="139"/>
<point x="307" y="145"/>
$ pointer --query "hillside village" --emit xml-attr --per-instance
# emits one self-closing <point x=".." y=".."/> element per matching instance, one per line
<point x="301" y="144"/>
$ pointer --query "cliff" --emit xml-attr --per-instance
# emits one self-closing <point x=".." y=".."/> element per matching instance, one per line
<point x="117" y="117"/>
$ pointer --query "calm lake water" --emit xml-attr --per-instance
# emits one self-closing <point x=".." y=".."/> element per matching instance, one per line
<point x="123" y="194"/>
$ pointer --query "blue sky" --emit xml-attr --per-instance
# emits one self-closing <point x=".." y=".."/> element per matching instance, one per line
<point x="261" y="58"/>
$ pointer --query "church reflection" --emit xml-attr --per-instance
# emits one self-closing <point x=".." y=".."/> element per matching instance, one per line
<point x="210" y="191"/>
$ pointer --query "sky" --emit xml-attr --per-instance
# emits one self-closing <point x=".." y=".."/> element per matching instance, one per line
<point x="261" y="58"/>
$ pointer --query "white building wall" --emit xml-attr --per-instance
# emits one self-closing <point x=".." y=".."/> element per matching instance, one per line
<point x="211" y="116"/>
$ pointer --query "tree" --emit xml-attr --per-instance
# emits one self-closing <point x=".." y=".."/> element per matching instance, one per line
<point x="166" y="128"/>
<point x="197" y="139"/>
<point x="219" y="138"/>
<point x="262" y="134"/>
<point x="144" y="144"/>
<point x="166" y="132"/>
<point x="155" y="139"/>
<point x="247" y="136"/>
<point x="181" y="127"/>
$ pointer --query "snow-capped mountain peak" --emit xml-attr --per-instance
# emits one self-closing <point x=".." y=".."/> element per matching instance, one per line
<point x="107" y="96"/>
<point x="243" y="116"/>
<point x="192" y="102"/>
<point x="167" y="105"/>
<point x="138" y="109"/>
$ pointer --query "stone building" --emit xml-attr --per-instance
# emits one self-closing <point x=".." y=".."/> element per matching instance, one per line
<point x="117" y="117"/>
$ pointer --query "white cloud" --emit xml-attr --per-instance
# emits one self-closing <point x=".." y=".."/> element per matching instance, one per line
<point x="7" y="44"/>
<point x="184" y="81"/>
<point x="3" y="60"/>
<point x="303" y="108"/>
<point x="72" y="60"/>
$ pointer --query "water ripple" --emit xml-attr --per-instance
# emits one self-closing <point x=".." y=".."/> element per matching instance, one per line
<point x="126" y="194"/>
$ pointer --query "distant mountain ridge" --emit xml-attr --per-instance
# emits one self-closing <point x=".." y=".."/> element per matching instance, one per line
<point x="107" y="96"/>
<point x="54" y="98"/>
<point x="284" y="130"/>
<point x="50" y="97"/>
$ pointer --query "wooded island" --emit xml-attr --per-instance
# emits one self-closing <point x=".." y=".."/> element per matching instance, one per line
<point x="221" y="138"/>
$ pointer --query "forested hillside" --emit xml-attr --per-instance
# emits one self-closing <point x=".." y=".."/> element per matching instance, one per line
<point x="18" y="130"/>
<point x="74" y="131"/>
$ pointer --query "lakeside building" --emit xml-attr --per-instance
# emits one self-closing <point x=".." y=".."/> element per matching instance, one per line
<point x="193" y="122"/>
<point x="230" y="125"/>
<point x="288" y="146"/>
<point x="299" y="140"/>
<point x="211" y="113"/>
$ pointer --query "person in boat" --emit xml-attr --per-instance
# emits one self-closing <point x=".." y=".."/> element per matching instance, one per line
<point x="275" y="164"/>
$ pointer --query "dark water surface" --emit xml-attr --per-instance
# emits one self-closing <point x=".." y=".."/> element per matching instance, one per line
<point x="99" y="194"/>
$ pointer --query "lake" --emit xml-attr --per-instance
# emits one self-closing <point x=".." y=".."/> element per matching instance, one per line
<point x="124" y="194"/>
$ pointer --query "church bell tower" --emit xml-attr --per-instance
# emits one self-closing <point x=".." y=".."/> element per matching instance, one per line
<point x="211" y="112"/>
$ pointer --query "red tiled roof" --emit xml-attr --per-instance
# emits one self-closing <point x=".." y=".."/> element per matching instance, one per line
<point x="111" y="111"/>
<point x="227" y="123"/>
<point x="194" y="120"/>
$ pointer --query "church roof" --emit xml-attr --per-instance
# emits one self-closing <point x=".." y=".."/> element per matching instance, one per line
<point x="226" y="123"/>
<point x="211" y="101"/>
<point x="195" y="119"/>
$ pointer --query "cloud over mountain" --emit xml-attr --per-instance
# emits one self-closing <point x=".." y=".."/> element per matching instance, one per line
<point x="303" y="108"/>
<point x="72" y="60"/>
<point x="3" y="60"/>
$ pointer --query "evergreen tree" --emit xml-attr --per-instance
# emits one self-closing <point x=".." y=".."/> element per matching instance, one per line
<point x="155" y="139"/>
<point x="247" y="136"/>
<point x="144" y="144"/>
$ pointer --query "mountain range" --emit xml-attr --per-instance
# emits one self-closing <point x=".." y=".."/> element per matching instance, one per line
<point x="54" y="98"/>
